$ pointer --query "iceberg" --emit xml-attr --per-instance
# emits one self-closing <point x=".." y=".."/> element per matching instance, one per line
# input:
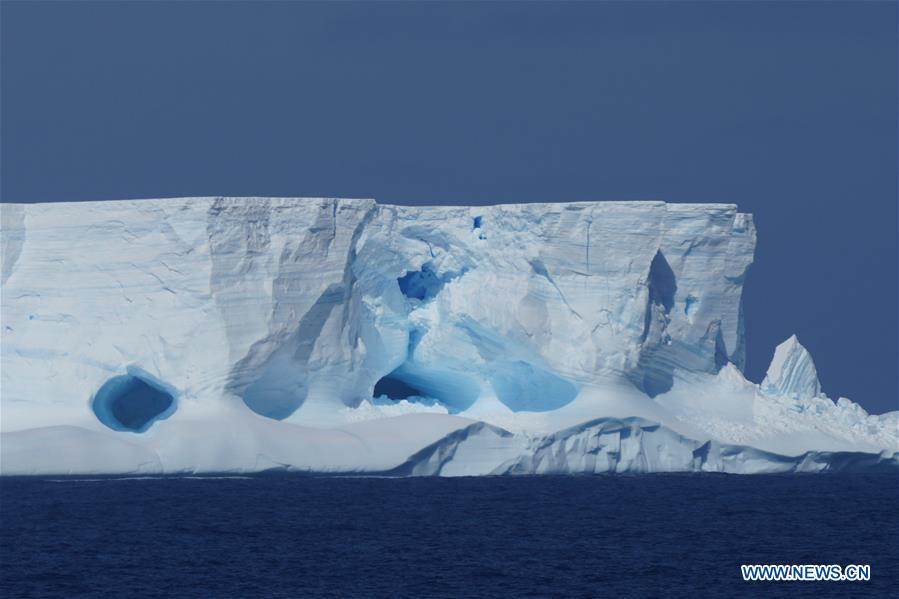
<point x="209" y="335"/>
<point x="792" y="372"/>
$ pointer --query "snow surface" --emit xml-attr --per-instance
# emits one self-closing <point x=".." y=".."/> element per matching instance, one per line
<point x="245" y="334"/>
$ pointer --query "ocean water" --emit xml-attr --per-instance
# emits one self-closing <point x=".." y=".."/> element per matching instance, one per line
<point x="306" y="536"/>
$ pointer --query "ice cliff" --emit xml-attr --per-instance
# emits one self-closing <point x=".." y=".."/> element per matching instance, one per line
<point x="243" y="334"/>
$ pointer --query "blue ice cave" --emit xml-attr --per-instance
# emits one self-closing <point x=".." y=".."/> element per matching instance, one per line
<point x="422" y="284"/>
<point x="132" y="403"/>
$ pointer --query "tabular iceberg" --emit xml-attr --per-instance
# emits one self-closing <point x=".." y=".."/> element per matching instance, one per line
<point x="246" y="334"/>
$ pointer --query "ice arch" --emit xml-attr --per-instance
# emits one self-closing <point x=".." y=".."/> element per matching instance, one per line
<point x="132" y="403"/>
<point x="395" y="388"/>
<point x="453" y="389"/>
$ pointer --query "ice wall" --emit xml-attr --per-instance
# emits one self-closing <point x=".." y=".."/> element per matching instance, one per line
<point x="295" y="308"/>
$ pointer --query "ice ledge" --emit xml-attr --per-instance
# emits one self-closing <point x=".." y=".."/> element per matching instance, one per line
<point x="462" y="448"/>
<point x="616" y="446"/>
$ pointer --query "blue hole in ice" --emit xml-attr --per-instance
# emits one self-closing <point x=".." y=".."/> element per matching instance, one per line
<point x="476" y="222"/>
<point x="395" y="388"/>
<point x="690" y="306"/>
<point x="421" y="284"/>
<point x="524" y="387"/>
<point x="132" y="403"/>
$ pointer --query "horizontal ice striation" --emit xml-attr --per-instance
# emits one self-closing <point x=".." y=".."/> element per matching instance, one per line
<point x="129" y="320"/>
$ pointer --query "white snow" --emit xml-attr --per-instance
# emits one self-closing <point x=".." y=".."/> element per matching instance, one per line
<point x="564" y="337"/>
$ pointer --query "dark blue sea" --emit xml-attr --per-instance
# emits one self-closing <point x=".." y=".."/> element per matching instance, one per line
<point x="304" y="536"/>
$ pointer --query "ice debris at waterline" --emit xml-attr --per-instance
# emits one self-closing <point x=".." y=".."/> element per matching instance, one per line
<point x="246" y="334"/>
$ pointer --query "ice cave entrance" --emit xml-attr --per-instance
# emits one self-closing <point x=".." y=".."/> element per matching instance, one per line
<point x="396" y="389"/>
<point x="132" y="403"/>
<point x="454" y="390"/>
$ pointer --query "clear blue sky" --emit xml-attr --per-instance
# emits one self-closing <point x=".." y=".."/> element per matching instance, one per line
<point x="787" y="109"/>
